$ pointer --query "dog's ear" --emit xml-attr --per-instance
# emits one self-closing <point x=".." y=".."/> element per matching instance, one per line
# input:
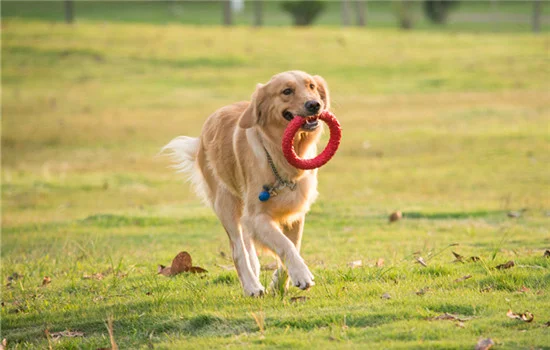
<point x="252" y="113"/>
<point x="322" y="88"/>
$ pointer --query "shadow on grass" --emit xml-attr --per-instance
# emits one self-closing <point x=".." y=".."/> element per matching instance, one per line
<point x="455" y="215"/>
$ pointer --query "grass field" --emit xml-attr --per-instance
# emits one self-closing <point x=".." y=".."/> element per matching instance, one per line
<point x="450" y="128"/>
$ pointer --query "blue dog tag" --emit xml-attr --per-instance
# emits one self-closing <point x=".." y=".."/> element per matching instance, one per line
<point x="264" y="195"/>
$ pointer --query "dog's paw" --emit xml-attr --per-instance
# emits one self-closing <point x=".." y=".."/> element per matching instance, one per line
<point x="302" y="278"/>
<point x="254" y="291"/>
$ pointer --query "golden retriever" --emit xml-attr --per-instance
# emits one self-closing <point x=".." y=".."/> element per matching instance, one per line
<point x="239" y="155"/>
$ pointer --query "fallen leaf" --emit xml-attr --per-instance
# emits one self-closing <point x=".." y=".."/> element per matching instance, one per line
<point x="523" y="289"/>
<point x="484" y="344"/>
<point x="14" y="276"/>
<point x="463" y="278"/>
<point x="505" y="266"/>
<point x="386" y="296"/>
<point x="421" y="261"/>
<point x="355" y="264"/>
<point x="46" y="280"/>
<point x="459" y="258"/>
<point x="474" y="258"/>
<point x="300" y="299"/>
<point x="514" y="214"/>
<point x="525" y="317"/>
<point x="66" y="334"/>
<point x="486" y="289"/>
<point x="380" y="262"/>
<point x="395" y="216"/>
<point x="196" y="269"/>
<point x="547" y="254"/>
<point x="163" y="270"/>
<point x="181" y="263"/>
<point x="459" y="324"/>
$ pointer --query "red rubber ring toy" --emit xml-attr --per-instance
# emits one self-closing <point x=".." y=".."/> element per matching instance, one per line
<point x="323" y="157"/>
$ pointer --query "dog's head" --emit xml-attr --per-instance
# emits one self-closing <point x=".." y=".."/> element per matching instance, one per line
<point x="285" y="96"/>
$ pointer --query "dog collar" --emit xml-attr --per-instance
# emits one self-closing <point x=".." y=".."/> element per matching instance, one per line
<point x="280" y="183"/>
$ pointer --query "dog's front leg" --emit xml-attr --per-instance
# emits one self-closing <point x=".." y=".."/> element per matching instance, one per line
<point x="294" y="232"/>
<point x="267" y="232"/>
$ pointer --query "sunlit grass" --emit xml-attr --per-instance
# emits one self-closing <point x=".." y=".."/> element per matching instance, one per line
<point x="451" y="129"/>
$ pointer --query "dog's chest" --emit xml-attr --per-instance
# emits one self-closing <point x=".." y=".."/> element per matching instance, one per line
<point x="289" y="203"/>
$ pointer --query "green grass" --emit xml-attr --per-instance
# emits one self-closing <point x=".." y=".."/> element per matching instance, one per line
<point x="452" y="129"/>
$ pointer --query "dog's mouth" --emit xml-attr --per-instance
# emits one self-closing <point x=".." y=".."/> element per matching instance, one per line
<point x="311" y="123"/>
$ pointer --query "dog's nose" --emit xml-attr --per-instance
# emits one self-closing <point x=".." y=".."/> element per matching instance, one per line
<point x="312" y="106"/>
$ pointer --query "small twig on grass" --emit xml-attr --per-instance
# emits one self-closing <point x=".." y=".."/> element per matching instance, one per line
<point x="114" y="345"/>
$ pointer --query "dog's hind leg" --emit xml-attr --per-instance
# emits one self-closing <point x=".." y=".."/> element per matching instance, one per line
<point x="228" y="210"/>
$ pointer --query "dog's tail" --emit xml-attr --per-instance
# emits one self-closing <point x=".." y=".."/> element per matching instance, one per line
<point x="183" y="150"/>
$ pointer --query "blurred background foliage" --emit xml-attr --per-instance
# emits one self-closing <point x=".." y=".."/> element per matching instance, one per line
<point x="487" y="15"/>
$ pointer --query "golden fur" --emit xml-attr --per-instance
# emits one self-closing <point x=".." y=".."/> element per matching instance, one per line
<point x="228" y="166"/>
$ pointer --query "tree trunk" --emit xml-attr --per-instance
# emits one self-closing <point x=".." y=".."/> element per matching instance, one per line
<point x="405" y="14"/>
<point x="537" y="12"/>
<point x="360" y="9"/>
<point x="227" y="14"/>
<point x="69" y="11"/>
<point x="345" y="13"/>
<point x="258" y="13"/>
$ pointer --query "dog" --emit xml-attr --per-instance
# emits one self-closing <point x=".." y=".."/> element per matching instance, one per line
<point x="239" y="155"/>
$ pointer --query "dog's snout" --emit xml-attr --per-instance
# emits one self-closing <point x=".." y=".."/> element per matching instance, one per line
<point x="313" y="106"/>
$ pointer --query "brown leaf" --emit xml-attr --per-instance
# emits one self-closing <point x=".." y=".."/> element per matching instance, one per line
<point x="14" y="276"/>
<point x="395" y="216"/>
<point x="380" y="262"/>
<point x="163" y="270"/>
<point x="196" y="269"/>
<point x="421" y="261"/>
<point x="514" y="214"/>
<point x="463" y="278"/>
<point x="460" y="324"/>
<point x="523" y="289"/>
<point x="386" y="296"/>
<point x="547" y="254"/>
<point x="474" y="258"/>
<point x="299" y="299"/>
<point x="181" y="263"/>
<point x="355" y="264"/>
<point x="505" y="266"/>
<point x="459" y="258"/>
<point x="485" y="344"/>
<point x="525" y="317"/>
<point x="46" y="280"/>
<point x="486" y="289"/>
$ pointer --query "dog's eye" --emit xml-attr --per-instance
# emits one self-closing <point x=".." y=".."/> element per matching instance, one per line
<point x="287" y="91"/>
<point x="311" y="86"/>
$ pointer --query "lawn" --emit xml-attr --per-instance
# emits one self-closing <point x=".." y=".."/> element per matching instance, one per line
<point x="449" y="128"/>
